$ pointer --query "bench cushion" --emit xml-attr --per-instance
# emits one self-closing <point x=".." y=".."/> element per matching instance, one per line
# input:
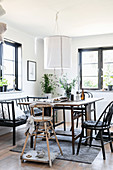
<point x="19" y="114"/>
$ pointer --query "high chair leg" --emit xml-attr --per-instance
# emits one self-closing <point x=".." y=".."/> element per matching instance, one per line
<point x="56" y="138"/>
<point x="50" y="163"/>
<point x="24" y="145"/>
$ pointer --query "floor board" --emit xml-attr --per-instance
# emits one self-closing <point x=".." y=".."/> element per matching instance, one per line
<point x="11" y="160"/>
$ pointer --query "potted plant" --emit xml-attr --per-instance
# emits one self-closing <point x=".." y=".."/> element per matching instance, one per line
<point x="66" y="85"/>
<point x="5" y="84"/>
<point x="49" y="84"/>
<point x="108" y="79"/>
<point x="1" y="86"/>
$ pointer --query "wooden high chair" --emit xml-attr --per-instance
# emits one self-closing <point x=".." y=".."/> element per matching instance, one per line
<point x="43" y="129"/>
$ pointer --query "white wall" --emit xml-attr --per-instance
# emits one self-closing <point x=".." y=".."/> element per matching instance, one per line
<point x="28" y="53"/>
<point x="79" y="42"/>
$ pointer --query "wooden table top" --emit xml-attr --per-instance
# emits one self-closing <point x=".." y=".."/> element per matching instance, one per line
<point x="78" y="103"/>
<point x="58" y="103"/>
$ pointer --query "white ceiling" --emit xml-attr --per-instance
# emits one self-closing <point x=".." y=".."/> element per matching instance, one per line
<point x="76" y="17"/>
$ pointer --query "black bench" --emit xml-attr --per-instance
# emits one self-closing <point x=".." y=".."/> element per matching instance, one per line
<point x="7" y="110"/>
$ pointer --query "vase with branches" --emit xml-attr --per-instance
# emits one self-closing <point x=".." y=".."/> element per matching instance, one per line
<point x="67" y="85"/>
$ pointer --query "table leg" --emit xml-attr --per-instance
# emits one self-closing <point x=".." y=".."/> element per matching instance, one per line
<point x="88" y="117"/>
<point x="72" y="124"/>
<point x="54" y="118"/>
<point x="88" y="111"/>
<point x="64" y="119"/>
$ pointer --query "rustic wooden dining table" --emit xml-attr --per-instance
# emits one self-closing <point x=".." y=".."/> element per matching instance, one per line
<point x="71" y="105"/>
<point x="67" y="105"/>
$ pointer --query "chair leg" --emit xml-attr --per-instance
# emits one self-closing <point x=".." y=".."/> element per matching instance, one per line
<point x="94" y="111"/>
<point x="86" y="138"/>
<point x="56" y="138"/>
<point x="71" y="128"/>
<point x="102" y="144"/>
<point x="35" y="141"/>
<point x="50" y="162"/>
<point x="94" y="114"/>
<point x="24" y="145"/>
<point x="109" y="135"/>
<point x="77" y="123"/>
<point x="78" y="148"/>
<point x="31" y="141"/>
<point x="82" y="120"/>
<point x="36" y="133"/>
<point x="14" y="135"/>
<point x="90" y="138"/>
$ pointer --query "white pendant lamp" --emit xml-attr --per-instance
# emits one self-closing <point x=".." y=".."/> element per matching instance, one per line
<point x="2" y="11"/>
<point x="3" y="28"/>
<point x="57" y="51"/>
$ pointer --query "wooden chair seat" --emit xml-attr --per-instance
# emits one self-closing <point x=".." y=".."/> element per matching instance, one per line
<point x="94" y="125"/>
<point x="42" y="119"/>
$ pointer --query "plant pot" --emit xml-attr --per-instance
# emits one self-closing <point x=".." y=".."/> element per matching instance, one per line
<point x="1" y="88"/>
<point x="48" y="95"/>
<point x="110" y="87"/>
<point x="68" y="95"/>
<point x="4" y="88"/>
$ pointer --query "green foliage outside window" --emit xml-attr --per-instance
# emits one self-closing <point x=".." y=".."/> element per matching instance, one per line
<point x="108" y="77"/>
<point x="89" y="83"/>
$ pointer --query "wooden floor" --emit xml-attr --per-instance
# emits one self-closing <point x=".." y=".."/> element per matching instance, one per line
<point x="11" y="160"/>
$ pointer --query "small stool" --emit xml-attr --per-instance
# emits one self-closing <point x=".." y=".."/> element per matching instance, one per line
<point x="43" y="129"/>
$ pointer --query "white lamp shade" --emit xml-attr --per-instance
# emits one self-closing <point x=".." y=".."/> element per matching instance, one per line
<point x="3" y="28"/>
<point x="57" y="52"/>
<point x="2" y="11"/>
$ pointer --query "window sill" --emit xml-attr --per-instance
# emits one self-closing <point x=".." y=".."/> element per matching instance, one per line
<point x="102" y="91"/>
<point x="11" y="92"/>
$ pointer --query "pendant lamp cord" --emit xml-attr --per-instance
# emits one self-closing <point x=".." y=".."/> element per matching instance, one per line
<point x="61" y="56"/>
<point x="56" y="19"/>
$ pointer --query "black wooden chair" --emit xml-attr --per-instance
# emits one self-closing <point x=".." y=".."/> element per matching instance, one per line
<point x="7" y="112"/>
<point x="102" y="124"/>
<point x="8" y="117"/>
<point x="79" y="113"/>
<point x="93" y="108"/>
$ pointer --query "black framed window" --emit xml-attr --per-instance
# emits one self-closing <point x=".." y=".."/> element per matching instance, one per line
<point x="10" y="62"/>
<point x="96" y="67"/>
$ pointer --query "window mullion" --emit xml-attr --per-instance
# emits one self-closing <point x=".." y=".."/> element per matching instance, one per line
<point x="100" y="66"/>
<point x="1" y="56"/>
<point x="16" y="67"/>
<point x="80" y="71"/>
